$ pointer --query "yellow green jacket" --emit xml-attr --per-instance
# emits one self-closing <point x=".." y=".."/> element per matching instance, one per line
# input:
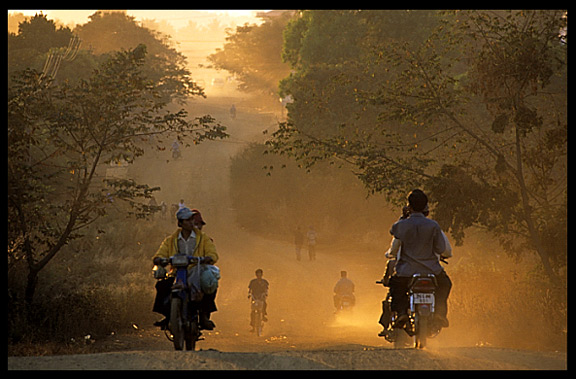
<point x="204" y="246"/>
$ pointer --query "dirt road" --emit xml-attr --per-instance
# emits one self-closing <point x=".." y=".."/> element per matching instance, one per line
<point x="344" y="357"/>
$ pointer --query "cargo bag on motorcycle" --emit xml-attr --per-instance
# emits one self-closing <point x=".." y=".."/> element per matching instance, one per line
<point x="203" y="279"/>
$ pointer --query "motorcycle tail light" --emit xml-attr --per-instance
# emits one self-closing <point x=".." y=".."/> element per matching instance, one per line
<point x="424" y="285"/>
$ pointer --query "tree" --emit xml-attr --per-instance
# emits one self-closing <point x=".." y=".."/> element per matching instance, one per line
<point x="59" y="139"/>
<point x="474" y="113"/>
<point x="35" y="38"/>
<point x="110" y="31"/>
<point x="253" y="54"/>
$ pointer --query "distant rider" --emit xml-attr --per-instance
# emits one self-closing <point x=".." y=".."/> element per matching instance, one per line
<point x="188" y="239"/>
<point x="258" y="289"/>
<point x="343" y="288"/>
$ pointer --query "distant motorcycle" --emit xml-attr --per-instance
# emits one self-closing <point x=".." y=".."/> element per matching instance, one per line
<point x="184" y="323"/>
<point x="257" y="314"/>
<point x="346" y="303"/>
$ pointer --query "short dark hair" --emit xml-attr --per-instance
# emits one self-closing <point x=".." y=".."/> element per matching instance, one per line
<point x="417" y="200"/>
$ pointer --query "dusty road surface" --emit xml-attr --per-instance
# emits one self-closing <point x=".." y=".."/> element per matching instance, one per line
<point x="347" y="357"/>
<point x="343" y="344"/>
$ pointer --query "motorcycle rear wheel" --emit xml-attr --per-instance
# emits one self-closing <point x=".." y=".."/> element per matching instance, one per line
<point x="421" y="331"/>
<point x="258" y="323"/>
<point x="176" y="324"/>
<point x="401" y="339"/>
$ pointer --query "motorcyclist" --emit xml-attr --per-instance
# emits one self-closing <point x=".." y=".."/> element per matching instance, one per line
<point x="386" y="316"/>
<point x="343" y="288"/>
<point x="188" y="239"/>
<point x="258" y="289"/>
<point x="422" y="243"/>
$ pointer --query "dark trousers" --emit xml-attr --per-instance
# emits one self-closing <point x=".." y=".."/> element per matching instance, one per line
<point x="162" y="301"/>
<point x="401" y="300"/>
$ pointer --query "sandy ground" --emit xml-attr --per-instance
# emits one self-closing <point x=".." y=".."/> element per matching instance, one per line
<point x="159" y="355"/>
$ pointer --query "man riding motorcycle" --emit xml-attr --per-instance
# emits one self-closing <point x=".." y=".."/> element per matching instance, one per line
<point x="188" y="239"/>
<point x="344" y="288"/>
<point x="423" y="242"/>
<point x="258" y="289"/>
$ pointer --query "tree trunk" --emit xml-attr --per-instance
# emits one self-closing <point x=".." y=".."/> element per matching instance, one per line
<point x="31" y="286"/>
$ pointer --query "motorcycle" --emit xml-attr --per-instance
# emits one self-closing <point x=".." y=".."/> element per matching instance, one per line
<point x="422" y="290"/>
<point x="257" y="314"/>
<point x="420" y="324"/>
<point x="184" y="323"/>
<point x="346" y="303"/>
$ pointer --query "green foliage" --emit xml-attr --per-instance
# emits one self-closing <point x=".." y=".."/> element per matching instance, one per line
<point x="58" y="138"/>
<point x="279" y="196"/>
<point x="110" y="31"/>
<point x="40" y="41"/>
<point x="35" y="38"/>
<point x="39" y="34"/>
<point x="253" y="54"/>
<point x="463" y="105"/>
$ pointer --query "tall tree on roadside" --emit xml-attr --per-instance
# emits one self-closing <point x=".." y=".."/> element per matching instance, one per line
<point x="253" y="54"/>
<point x="475" y="113"/>
<point x="59" y="139"/>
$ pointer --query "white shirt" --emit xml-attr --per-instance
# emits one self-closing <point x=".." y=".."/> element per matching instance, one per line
<point x="186" y="247"/>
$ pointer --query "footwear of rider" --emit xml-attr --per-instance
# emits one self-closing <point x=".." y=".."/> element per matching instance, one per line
<point x="206" y="323"/>
<point x="162" y="323"/>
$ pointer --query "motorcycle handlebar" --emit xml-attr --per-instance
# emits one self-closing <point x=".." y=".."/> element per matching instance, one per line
<point x="165" y="261"/>
<point x="161" y="261"/>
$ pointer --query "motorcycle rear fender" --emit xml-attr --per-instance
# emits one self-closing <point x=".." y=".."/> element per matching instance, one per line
<point x="423" y="283"/>
<point x="424" y="309"/>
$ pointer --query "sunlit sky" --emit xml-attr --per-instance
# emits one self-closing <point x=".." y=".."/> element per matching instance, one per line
<point x="177" y="17"/>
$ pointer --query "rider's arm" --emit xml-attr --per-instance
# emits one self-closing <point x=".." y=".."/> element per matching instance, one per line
<point x="447" y="253"/>
<point x="210" y="249"/>
<point x="164" y="249"/>
<point x="394" y="248"/>
<point x="438" y="244"/>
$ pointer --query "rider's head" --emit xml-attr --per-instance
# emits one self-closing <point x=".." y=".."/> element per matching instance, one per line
<point x="197" y="218"/>
<point x="190" y="214"/>
<point x="259" y="273"/>
<point x="343" y="274"/>
<point x="417" y="200"/>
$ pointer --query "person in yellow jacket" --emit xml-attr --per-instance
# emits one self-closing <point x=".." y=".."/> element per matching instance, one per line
<point x="188" y="239"/>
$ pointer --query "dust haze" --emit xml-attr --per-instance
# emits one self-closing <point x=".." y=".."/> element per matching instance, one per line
<point x="485" y="308"/>
<point x="300" y="303"/>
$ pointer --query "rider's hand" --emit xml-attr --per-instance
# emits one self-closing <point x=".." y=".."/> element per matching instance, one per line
<point x="208" y="260"/>
<point x="160" y="261"/>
